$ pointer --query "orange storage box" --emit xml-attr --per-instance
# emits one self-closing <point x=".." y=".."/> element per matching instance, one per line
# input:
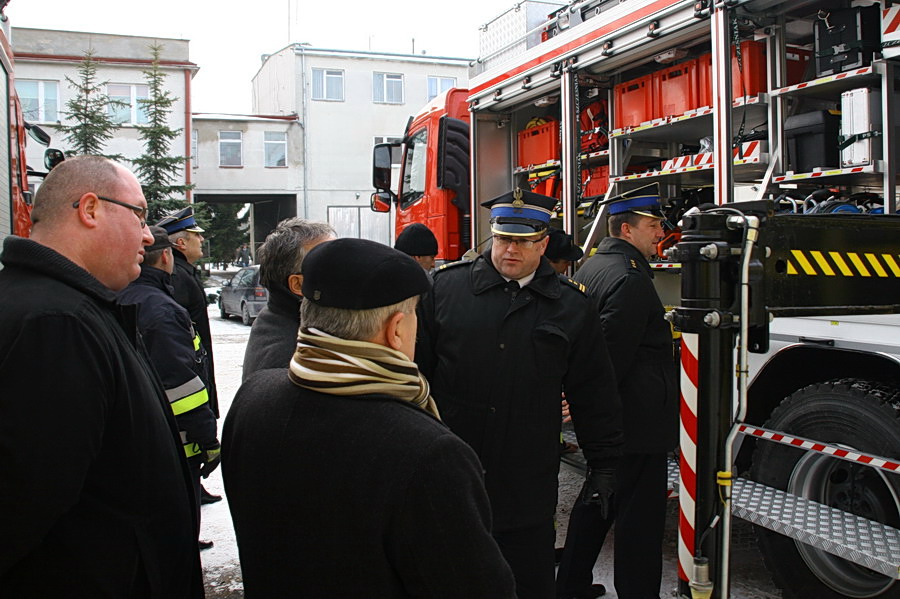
<point x="597" y="181"/>
<point x="677" y="89"/>
<point x="635" y="102"/>
<point x="796" y="60"/>
<point x="540" y="144"/>
<point x="753" y="58"/>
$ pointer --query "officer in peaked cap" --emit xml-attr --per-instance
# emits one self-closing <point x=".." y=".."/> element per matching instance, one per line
<point x="187" y="239"/>
<point x="620" y="283"/>
<point x="182" y="220"/>
<point x="499" y="338"/>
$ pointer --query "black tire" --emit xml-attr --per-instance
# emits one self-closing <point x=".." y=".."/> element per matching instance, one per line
<point x="222" y="313"/>
<point x="855" y="414"/>
<point x="245" y="315"/>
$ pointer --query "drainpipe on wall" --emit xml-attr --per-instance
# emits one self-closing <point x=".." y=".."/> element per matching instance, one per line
<point x="188" y="126"/>
<point x="304" y="108"/>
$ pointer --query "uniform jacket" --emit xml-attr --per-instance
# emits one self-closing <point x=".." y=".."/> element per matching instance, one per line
<point x="273" y="337"/>
<point x="500" y="363"/>
<point x="639" y="339"/>
<point x="188" y="292"/>
<point x="354" y="497"/>
<point x="95" y="495"/>
<point x="176" y="354"/>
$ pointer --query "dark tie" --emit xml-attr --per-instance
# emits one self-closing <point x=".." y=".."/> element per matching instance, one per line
<point x="513" y="288"/>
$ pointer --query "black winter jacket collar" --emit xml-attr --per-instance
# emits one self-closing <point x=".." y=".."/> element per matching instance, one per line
<point x="485" y="276"/>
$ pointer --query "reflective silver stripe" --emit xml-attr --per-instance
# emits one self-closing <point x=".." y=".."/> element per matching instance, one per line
<point x="189" y="388"/>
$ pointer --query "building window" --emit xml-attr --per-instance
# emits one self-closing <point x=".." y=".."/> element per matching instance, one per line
<point x="437" y="85"/>
<point x="230" y="146"/>
<point x="328" y="84"/>
<point x="40" y="100"/>
<point x="130" y="112"/>
<point x="396" y="151"/>
<point x="195" y="143"/>
<point x="276" y="148"/>
<point x="388" y="88"/>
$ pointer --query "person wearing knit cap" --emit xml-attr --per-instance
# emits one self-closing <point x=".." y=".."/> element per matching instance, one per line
<point x="400" y="510"/>
<point x="418" y="241"/>
<point x="562" y="251"/>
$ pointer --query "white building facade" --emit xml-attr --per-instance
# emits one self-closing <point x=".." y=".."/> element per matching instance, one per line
<point x="347" y="101"/>
<point x="44" y="58"/>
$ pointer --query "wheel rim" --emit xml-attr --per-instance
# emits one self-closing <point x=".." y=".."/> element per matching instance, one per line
<point x="853" y="488"/>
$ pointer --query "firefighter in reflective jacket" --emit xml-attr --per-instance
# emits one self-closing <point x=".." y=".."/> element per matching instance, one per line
<point x="178" y="356"/>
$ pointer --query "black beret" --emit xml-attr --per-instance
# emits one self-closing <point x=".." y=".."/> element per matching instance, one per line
<point x="560" y="247"/>
<point x="357" y="274"/>
<point x="160" y="239"/>
<point x="417" y="240"/>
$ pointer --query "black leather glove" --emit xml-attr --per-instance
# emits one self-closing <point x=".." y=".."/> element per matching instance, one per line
<point x="212" y="455"/>
<point x="598" y="489"/>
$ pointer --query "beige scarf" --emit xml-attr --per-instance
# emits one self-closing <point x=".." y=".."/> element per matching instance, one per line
<point x="328" y="364"/>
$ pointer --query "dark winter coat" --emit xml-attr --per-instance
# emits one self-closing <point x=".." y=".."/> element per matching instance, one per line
<point x="273" y="337"/>
<point x="501" y="361"/>
<point x="639" y="340"/>
<point x="95" y="495"/>
<point x="169" y="337"/>
<point x="354" y="497"/>
<point x="189" y="293"/>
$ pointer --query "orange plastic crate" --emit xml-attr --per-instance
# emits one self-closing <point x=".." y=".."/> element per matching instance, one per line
<point x="677" y="88"/>
<point x="598" y="183"/>
<point x="540" y="144"/>
<point x="796" y="60"/>
<point x="753" y="56"/>
<point x="635" y="102"/>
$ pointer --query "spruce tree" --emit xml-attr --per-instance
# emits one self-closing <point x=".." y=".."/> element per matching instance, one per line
<point x="156" y="168"/>
<point x="89" y="111"/>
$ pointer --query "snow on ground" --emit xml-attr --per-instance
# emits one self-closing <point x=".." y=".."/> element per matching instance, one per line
<point x="220" y="563"/>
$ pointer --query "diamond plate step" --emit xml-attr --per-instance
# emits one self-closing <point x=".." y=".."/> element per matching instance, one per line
<point x="870" y="544"/>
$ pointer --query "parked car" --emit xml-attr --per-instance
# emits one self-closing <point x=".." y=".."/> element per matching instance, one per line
<point x="243" y="295"/>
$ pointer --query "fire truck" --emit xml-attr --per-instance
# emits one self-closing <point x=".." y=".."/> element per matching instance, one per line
<point x="768" y="126"/>
<point x="15" y="217"/>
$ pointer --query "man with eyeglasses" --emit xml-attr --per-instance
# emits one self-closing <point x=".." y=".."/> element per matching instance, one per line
<point x="95" y="493"/>
<point x="506" y="335"/>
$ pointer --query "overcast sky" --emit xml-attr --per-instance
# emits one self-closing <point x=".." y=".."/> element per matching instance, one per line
<point x="229" y="36"/>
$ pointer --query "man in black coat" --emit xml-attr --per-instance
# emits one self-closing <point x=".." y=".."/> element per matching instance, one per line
<point x="619" y="281"/>
<point x="273" y="337"/>
<point x="400" y="509"/>
<point x="507" y="335"/>
<point x="95" y="494"/>
<point x="178" y="356"/>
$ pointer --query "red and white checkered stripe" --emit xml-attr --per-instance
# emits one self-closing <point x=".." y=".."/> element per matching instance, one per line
<point x="832" y="450"/>
<point x="821" y="80"/>
<point x="829" y="173"/>
<point x="687" y="476"/>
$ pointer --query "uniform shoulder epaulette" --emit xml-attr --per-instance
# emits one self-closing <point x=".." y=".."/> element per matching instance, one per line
<point x="449" y="265"/>
<point x="573" y="283"/>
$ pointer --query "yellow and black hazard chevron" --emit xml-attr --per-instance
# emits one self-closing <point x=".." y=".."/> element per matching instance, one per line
<point x="816" y="263"/>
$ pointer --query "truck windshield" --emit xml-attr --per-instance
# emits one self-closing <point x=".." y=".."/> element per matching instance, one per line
<point x="413" y="186"/>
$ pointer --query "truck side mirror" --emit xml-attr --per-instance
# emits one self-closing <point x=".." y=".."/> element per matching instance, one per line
<point x="381" y="167"/>
<point x="52" y="157"/>
<point x="380" y="201"/>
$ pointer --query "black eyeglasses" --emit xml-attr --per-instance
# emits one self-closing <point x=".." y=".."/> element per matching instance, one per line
<point x="141" y="213"/>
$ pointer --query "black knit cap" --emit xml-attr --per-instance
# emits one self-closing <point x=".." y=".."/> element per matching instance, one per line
<point x="417" y="240"/>
<point x="160" y="239"/>
<point x="560" y="247"/>
<point x="357" y="274"/>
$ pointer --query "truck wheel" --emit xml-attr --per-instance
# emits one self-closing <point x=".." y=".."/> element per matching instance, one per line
<point x="855" y="414"/>
<point x="245" y="315"/>
<point x="222" y="313"/>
